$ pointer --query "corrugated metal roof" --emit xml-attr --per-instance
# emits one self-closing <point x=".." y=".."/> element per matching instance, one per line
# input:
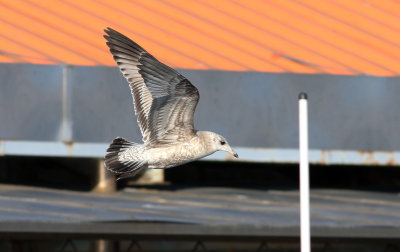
<point x="337" y="37"/>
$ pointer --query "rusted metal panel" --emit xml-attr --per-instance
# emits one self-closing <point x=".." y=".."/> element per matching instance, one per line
<point x="321" y="157"/>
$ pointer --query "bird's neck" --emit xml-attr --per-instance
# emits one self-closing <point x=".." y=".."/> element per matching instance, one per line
<point x="205" y="140"/>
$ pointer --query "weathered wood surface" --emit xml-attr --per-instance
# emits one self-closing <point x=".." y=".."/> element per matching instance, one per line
<point x="224" y="211"/>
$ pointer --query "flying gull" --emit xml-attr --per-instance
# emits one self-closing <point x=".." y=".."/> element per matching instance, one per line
<point x="164" y="102"/>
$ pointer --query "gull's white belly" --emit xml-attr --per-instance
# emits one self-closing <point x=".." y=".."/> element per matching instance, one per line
<point x="166" y="157"/>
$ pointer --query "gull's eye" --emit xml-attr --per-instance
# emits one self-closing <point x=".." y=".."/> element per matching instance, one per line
<point x="222" y="142"/>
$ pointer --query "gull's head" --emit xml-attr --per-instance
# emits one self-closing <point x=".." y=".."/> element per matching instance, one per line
<point x="219" y="143"/>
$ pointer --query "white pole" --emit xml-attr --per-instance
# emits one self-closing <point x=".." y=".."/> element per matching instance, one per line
<point x="304" y="175"/>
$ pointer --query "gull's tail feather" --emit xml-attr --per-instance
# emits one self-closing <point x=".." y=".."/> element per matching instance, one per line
<point x="122" y="167"/>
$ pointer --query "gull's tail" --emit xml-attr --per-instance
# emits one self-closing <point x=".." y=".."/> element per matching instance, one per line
<point x="120" y="164"/>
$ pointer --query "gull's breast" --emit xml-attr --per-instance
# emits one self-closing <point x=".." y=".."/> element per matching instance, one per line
<point x="173" y="155"/>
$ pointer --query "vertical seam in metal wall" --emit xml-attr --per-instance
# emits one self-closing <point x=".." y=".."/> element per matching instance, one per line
<point x="1" y="148"/>
<point x="66" y="132"/>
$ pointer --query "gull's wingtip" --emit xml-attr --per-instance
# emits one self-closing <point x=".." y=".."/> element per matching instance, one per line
<point x="109" y="30"/>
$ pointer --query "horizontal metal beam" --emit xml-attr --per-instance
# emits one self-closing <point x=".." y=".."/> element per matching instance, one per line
<point x="246" y="154"/>
<point x="171" y="231"/>
<point x="52" y="149"/>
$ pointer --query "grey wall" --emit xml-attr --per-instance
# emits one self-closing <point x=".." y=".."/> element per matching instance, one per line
<point x="30" y="101"/>
<point x="94" y="104"/>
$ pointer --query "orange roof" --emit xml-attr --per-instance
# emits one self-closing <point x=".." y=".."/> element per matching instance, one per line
<point x="314" y="36"/>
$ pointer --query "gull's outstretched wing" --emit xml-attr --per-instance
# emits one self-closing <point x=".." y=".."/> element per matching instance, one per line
<point x="164" y="100"/>
<point x="127" y="54"/>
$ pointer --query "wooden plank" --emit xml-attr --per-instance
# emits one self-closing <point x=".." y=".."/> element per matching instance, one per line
<point x="335" y="213"/>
